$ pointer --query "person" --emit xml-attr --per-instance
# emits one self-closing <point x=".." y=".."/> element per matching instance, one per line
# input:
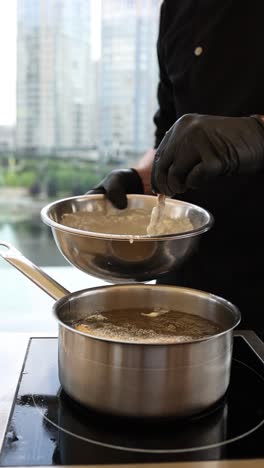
<point x="209" y="144"/>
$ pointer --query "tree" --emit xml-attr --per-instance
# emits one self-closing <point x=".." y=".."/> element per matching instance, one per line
<point x="35" y="189"/>
<point x="52" y="187"/>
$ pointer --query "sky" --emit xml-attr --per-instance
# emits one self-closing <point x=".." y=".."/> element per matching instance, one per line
<point x="7" y="62"/>
<point x="8" y="55"/>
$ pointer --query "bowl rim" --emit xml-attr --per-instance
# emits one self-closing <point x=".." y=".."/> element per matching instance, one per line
<point x="124" y="237"/>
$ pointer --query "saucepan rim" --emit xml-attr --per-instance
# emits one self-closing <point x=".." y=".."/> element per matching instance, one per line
<point x="227" y="304"/>
<point x="45" y="215"/>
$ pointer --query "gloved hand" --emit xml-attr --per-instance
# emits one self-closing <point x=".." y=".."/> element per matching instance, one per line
<point x="117" y="184"/>
<point x="198" y="148"/>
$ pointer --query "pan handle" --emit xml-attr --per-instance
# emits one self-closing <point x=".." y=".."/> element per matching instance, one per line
<point x="34" y="273"/>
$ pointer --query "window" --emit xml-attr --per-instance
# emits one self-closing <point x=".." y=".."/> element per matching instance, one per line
<point x="84" y="105"/>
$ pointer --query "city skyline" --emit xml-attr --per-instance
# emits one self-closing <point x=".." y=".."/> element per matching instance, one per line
<point x="86" y="77"/>
<point x="8" y="62"/>
<point x="8" y="55"/>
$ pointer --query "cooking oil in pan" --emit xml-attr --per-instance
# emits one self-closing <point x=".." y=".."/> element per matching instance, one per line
<point x="147" y="325"/>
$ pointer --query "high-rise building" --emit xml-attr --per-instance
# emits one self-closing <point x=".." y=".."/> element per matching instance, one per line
<point x="70" y="104"/>
<point x="128" y="76"/>
<point x="56" y="78"/>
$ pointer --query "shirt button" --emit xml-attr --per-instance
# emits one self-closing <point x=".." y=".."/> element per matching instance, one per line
<point x="198" y="51"/>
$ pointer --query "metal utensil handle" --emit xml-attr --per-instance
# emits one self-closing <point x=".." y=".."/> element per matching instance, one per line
<point x="31" y="271"/>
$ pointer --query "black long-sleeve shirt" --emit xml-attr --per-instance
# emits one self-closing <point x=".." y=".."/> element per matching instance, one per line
<point x="211" y="61"/>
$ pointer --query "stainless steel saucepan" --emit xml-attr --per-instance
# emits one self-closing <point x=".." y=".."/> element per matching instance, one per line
<point x="137" y="379"/>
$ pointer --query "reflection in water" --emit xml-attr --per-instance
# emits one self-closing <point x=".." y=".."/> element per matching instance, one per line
<point x="34" y="240"/>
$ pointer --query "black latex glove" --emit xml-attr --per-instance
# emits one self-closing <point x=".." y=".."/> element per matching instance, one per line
<point x="198" y="148"/>
<point x="117" y="184"/>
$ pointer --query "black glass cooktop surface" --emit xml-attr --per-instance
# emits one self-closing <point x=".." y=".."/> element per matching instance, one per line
<point x="46" y="427"/>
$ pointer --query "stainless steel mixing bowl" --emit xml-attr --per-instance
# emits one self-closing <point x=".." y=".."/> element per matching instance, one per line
<point x="113" y="257"/>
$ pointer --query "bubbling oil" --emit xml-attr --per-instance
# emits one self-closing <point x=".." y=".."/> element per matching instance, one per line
<point x="147" y="325"/>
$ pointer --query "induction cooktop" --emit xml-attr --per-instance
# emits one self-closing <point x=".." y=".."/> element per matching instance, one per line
<point x="46" y="427"/>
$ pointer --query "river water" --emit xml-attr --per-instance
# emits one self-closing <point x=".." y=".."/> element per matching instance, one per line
<point x="34" y="240"/>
